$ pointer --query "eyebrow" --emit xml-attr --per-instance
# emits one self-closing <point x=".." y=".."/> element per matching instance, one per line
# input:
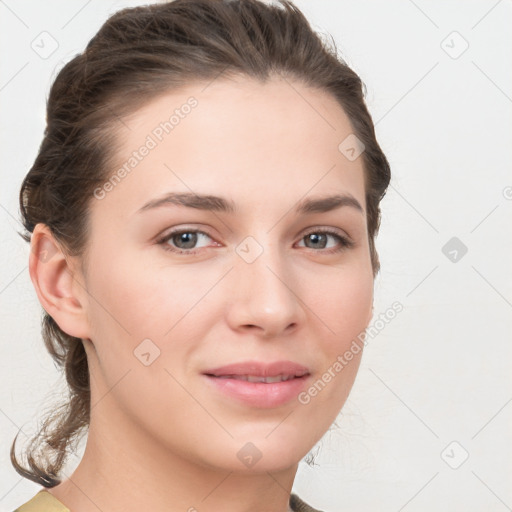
<point x="219" y="204"/>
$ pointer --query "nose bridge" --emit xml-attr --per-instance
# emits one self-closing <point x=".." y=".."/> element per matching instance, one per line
<point x="265" y="293"/>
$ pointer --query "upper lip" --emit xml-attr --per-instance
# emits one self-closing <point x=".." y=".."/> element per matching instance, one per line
<point x="258" y="369"/>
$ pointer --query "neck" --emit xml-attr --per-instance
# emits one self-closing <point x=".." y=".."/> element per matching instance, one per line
<point x="127" y="469"/>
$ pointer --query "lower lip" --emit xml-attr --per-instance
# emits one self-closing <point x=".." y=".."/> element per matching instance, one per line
<point x="260" y="394"/>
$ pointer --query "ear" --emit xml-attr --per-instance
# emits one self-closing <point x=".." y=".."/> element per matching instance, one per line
<point x="54" y="279"/>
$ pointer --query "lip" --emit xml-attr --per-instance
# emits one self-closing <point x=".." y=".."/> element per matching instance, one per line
<point x="259" y="394"/>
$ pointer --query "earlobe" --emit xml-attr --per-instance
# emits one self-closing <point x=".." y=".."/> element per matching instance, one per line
<point x="52" y="278"/>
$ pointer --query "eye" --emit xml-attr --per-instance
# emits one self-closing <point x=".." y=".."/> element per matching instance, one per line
<point x="318" y="238"/>
<point x="183" y="240"/>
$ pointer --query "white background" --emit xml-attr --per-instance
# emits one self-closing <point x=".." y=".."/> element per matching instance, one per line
<point x="440" y="371"/>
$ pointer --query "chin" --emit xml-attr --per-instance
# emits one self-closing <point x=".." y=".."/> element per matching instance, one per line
<point x="255" y="454"/>
<point x="276" y="452"/>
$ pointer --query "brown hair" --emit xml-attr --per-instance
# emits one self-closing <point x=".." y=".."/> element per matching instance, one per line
<point x="138" y="54"/>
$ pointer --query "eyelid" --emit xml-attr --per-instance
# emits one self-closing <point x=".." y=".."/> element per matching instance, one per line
<point x="326" y="229"/>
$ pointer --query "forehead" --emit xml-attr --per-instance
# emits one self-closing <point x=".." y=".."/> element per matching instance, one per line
<point x="270" y="141"/>
<point x="279" y="106"/>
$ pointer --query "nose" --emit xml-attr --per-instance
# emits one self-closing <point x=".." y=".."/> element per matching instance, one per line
<point x="266" y="297"/>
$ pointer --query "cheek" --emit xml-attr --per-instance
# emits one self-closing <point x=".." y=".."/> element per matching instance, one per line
<point x="343" y="303"/>
<point x="142" y="299"/>
<point x="135" y="302"/>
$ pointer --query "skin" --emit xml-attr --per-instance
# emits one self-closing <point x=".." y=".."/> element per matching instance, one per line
<point x="159" y="437"/>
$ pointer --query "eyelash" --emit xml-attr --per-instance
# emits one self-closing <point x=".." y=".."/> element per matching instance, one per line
<point x="344" y="242"/>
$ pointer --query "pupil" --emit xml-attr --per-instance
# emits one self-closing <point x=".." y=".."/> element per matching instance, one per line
<point x="316" y="238"/>
<point x="187" y="238"/>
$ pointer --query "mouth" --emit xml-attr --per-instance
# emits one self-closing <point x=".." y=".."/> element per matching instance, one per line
<point x="261" y="385"/>
<point x="256" y="378"/>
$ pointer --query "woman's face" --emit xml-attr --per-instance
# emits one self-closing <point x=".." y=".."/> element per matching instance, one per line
<point x="255" y="278"/>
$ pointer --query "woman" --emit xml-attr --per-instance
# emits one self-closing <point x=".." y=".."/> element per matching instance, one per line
<point x="202" y="217"/>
